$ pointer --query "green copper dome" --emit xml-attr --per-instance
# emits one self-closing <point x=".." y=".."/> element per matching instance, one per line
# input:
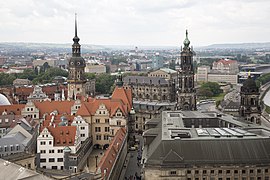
<point x="186" y="41"/>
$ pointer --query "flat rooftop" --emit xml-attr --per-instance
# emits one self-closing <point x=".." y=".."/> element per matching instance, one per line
<point x="195" y="125"/>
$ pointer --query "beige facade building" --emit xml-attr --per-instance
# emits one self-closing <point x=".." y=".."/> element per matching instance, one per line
<point x="107" y="116"/>
<point x="226" y="66"/>
<point x="222" y="78"/>
<point x="155" y="89"/>
<point x="205" y="74"/>
<point x="202" y="73"/>
<point x="166" y="73"/>
<point x="21" y="82"/>
<point x="95" y="68"/>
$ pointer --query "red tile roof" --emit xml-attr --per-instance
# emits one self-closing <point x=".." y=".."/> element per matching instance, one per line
<point x="14" y="108"/>
<point x="62" y="107"/>
<point x="90" y="108"/>
<point x="110" y="155"/>
<point x="57" y="120"/>
<point x="121" y="99"/>
<point x="23" y="90"/>
<point x="125" y="95"/>
<point x="63" y="135"/>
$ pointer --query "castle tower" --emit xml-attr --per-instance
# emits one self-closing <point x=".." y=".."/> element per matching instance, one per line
<point x="76" y="78"/>
<point x="186" y="94"/>
<point x="250" y="108"/>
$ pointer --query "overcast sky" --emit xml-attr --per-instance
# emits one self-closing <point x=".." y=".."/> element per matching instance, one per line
<point x="135" y="22"/>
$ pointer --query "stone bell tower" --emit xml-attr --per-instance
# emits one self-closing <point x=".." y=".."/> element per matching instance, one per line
<point x="186" y="94"/>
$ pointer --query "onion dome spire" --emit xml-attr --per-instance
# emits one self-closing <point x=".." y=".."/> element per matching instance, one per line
<point x="186" y="41"/>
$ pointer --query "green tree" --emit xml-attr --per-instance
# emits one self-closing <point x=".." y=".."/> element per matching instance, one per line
<point x="208" y="87"/>
<point x="7" y="79"/>
<point x="27" y="74"/>
<point x="90" y="76"/>
<point x="104" y="82"/>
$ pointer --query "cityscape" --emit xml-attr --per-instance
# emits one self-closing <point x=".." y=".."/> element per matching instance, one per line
<point x="192" y="106"/>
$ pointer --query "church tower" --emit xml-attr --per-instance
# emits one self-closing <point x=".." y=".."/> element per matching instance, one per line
<point x="250" y="108"/>
<point x="186" y="94"/>
<point x="76" y="77"/>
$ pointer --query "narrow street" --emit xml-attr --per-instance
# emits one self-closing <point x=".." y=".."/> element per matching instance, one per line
<point x="133" y="164"/>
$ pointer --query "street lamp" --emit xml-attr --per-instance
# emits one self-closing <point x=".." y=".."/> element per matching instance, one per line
<point x="96" y="156"/>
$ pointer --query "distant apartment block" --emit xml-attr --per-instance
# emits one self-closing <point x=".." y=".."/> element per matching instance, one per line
<point x="157" y="61"/>
<point x="226" y="66"/>
<point x="205" y="74"/>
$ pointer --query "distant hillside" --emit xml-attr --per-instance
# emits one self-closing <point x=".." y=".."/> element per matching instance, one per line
<point x="265" y="45"/>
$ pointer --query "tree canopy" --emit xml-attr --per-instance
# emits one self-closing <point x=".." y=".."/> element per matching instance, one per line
<point x="263" y="79"/>
<point x="104" y="83"/>
<point x="209" y="89"/>
<point x="31" y="74"/>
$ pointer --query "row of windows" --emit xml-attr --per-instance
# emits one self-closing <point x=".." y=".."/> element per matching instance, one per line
<point x="6" y="120"/>
<point x="9" y="148"/>
<point x="43" y="160"/>
<point x="234" y="178"/>
<point x="105" y="137"/>
<point x="164" y="90"/>
<point x="106" y="121"/>
<point x="30" y="109"/>
<point x="98" y="129"/>
<point x="44" y="142"/>
<point x="53" y="167"/>
<point x="251" y="171"/>
<point x="159" y="75"/>
<point x="31" y="115"/>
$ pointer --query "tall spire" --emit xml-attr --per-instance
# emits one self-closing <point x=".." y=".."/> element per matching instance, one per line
<point x="75" y="24"/>
<point x="76" y="47"/>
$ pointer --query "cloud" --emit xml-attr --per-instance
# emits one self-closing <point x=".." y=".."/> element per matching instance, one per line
<point x="136" y="22"/>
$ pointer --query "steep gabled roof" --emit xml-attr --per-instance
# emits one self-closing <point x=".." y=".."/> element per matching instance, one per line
<point x="110" y="156"/>
<point x="63" y="135"/>
<point x="62" y="107"/>
<point x="123" y="94"/>
<point x="90" y="108"/>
